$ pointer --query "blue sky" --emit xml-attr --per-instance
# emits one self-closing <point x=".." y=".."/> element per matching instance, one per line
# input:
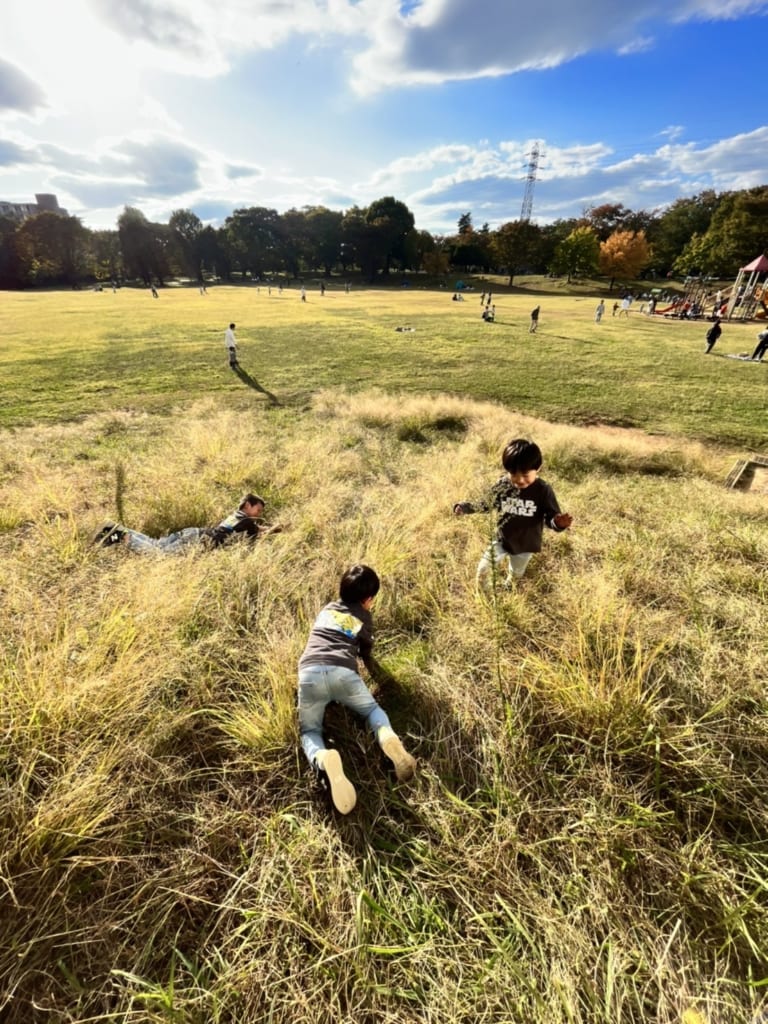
<point x="287" y="103"/>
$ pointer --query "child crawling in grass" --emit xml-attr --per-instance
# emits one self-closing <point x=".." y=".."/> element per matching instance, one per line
<point x="342" y="633"/>
<point x="245" y="520"/>
<point x="525" y="504"/>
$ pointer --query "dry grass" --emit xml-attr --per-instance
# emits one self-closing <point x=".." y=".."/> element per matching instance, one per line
<point x="585" y="841"/>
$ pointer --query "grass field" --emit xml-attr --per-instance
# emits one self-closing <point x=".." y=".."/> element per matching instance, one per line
<point x="585" y="838"/>
<point x="69" y="354"/>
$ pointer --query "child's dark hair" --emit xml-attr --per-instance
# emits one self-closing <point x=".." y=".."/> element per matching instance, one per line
<point x="251" y="499"/>
<point x="358" y="584"/>
<point x="521" y="455"/>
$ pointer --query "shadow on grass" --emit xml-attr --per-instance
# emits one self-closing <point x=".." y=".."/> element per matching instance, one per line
<point x="246" y="378"/>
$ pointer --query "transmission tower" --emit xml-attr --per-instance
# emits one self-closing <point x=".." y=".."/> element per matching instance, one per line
<point x="530" y="181"/>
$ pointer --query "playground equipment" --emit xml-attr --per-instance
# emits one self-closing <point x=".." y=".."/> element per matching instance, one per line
<point x="749" y="295"/>
<point x="693" y="303"/>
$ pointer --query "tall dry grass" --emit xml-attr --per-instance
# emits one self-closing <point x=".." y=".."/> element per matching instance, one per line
<point x="585" y="840"/>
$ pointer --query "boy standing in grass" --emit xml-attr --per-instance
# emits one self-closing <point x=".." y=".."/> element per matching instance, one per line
<point x="525" y="504"/>
<point x="230" y="343"/>
<point x="342" y="633"/>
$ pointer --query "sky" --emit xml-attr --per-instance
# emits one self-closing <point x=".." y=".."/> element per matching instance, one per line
<point x="214" y="106"/>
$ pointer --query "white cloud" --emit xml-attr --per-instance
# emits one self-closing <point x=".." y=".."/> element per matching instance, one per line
<point x="446" y="40"/>
<point x="199" y="38"/>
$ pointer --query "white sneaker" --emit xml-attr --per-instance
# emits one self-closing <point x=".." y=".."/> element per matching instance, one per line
<point x="405" y="763"/>
<point x="343" y="792"/>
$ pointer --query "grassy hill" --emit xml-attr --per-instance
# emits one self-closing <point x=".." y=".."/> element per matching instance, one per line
<point x="585" y="838"/>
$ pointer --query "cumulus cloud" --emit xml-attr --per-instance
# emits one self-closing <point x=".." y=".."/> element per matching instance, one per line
<point x="441" y="40"/>
<point x="490" y="181"/>
<point x="17" y="90"/>
<point x="201" y="38"/>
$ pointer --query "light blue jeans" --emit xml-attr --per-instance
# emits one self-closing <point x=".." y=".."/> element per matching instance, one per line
<point x="318" y="686"/>
<point x="169" y="545"/>
<point x="496" y="554"/>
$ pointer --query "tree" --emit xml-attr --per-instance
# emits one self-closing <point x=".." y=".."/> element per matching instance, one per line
<point x="578" y="254"/>
<point x="465" y="224"/>
<point x="677" y="225"/>
<point x="105" y="255"/>
<point x="215" y="255"/>
<point x="551" y="236"/>
<point x="624" y="254"/>
<point x="256" y="239"/>
<point x="391" y="221"/>
<point x="514" y="245"/>
<point x="144" y="246"/>
<point x="186" y="228"/>
<point x="605" y="220"/>
<point x="324" y="236"/>
<point x="59" y="245"/>
<point x="11" y="267"/>
<point x="737" y="233"/>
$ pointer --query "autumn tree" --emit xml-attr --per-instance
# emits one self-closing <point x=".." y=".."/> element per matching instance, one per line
<point x="624" y="254"/>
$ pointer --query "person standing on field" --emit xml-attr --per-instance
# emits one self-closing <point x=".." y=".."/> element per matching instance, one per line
<point x="230" y="341"/>
<point x="534" y="320"/>
<point x="713" y="334"/>
<point x="599" y="311"/>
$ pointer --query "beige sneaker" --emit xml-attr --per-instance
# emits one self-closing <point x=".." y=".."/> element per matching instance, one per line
<point x="405" y="764"/>
<point x="343" y="792"/>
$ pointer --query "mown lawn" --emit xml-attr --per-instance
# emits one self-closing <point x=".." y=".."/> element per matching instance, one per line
<point x="66" y="354"/>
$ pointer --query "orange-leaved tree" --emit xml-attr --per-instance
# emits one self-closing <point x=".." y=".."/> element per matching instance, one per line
<point x="624" y="254"/>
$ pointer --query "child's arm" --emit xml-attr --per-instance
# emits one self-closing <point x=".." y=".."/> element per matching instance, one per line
<point x="553" y="517"/>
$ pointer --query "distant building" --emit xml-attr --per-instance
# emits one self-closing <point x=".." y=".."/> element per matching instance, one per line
<point x="46" y="203"/>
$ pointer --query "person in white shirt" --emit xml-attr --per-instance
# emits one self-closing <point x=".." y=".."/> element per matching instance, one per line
<point x="230" y="342"/>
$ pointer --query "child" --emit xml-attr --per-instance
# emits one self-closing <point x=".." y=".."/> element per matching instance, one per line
<point x="342" y="633"/>
<point x="245" y="519"/>
<point x="230" y="343"/>
<point x="524" y="504"/>
<point x="713" y="334"/>
<point x="534" y="320"/>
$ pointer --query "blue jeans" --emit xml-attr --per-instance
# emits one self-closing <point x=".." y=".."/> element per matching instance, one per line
<point x="318" y="686"/>
<point x="169" y="545"/>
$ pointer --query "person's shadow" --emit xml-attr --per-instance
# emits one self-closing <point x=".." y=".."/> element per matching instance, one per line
<point x="246" y="378"/>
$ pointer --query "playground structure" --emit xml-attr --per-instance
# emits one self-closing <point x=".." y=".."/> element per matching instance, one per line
<point x="692" y="305"/>
<point x="749" y="294"/>
<point x="747" y="299"/>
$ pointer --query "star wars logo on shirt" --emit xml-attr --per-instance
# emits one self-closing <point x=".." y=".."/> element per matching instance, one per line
<point x="516" y="506"/>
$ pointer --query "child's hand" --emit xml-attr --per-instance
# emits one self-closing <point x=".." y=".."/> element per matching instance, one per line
<point x="460" y="508"/>
<point x="563" y="520"/>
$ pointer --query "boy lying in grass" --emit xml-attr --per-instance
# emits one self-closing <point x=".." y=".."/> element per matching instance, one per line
<point x="246" y="519"/>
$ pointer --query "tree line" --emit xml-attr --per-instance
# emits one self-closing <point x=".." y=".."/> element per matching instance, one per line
<point x="710" y="233"/>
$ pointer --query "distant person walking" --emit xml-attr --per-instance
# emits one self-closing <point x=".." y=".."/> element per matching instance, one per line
<point x="230" y="342"/>
<point x="534" y="320"/>
<point x="626" y="302"/>
<point x="762" y="346"/>
<point x="599" y="311"/>
<point x="713" y="334"/>
<point x="303" y="294"/>
<point x="154" y="291"/>
<point x="615" y="307"/>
